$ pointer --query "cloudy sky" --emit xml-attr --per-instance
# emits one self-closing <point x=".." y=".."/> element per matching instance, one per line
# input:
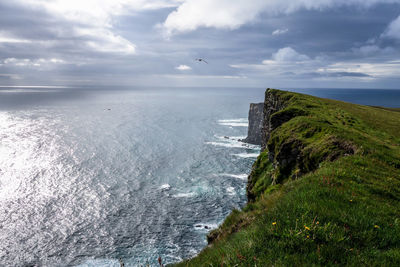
<point x="249" y="43"/>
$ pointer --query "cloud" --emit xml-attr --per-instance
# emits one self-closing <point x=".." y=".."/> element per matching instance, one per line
<point x="26" y="62"/>
<point x="7" y="38"/>
<point x="350" y="74"/>
<point x="340" y="74"/>
<point x="284" y="62"/>
<point x="183" y="67"/>
<point x="287" y="63"/>
<point x="204" y="76"/>
<point x="280" y="31"/>
<point x="97" y="13"/>
<point x="361" y="69"/>
<point x="287" y="54"/>
<point x="10" y="76"/>
<point x="227" y="14"/>
<point x="210" y="13"/>
<point x="104" y="40"/>
<point x="393" y="30"/>
<point x="89" y="24"/>
<point x="373" y="50"/>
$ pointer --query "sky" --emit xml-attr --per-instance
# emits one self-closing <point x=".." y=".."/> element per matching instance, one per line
<point x="247" y="43"/>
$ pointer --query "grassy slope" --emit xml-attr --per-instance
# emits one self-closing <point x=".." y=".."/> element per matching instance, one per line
<point x="343" y="209"/>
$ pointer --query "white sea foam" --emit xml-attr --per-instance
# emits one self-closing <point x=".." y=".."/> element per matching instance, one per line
<point x="205" y="226"/>
<point x="235" y="124"/>
<point x="100" y="263"/>
<point x="242" y="176"/>
<point x="229" y="145"/>
<point x="242" y="122"/>
<point x="234" y="120"/>
<point x="246" y="155"/>
<point x="193" y="252"/>
<point x="232" y="138"/>
<point x="231" y="191"/>
<point x="174" y="257"/>
<point x="233" y="144"/>
<point x="179" y="195"/>
<point x="165" y="187"/>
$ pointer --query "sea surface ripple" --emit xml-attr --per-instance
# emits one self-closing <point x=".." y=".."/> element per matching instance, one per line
<point x="88" y="178"/>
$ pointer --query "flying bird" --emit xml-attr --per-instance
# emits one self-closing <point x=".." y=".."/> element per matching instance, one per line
<point x="201" y="60"/>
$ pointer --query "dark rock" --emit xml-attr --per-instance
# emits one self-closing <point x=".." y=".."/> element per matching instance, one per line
<point x="255" y="124"/>
<point x="272" y="105"/>
<point x="279" y="118"/>
<point x="213" y="235"/>
<point x="288" y="156"/>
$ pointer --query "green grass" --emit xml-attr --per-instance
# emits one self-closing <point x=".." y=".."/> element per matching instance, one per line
<point x="338" y="203"/>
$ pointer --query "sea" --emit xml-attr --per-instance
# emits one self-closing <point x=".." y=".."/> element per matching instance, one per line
<point x="96" y="176"/>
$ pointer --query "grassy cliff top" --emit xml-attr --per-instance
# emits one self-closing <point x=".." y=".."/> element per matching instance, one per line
<point x="327" y="193"/>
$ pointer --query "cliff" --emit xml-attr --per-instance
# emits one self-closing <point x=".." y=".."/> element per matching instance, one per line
<point x="256" y="118"/>
<point x="324" y="191"/>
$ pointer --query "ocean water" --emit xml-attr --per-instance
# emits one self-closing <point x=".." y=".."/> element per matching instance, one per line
<point x="89" y="176"/>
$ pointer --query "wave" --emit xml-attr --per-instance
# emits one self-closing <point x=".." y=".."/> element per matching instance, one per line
<point x="246" y="155"/>
<point x="230" y="145"/>
<point x="234" y="122"/>
<point x="165" y="187"/>
<point x="100" y="263"/>
<point x="242" y="176"/>
<point x="231" y="191"/>
<point x="205" y="226"/>
<point x="234" y="144"/>
<point x="232" y="138"/>
<point x="180" y="195"/>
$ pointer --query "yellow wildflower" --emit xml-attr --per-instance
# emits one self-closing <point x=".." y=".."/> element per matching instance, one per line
<point x="308" y="236"/>
<point x="274" y="223"/>
<point x="307" y="228"/>
<point x="376" y="226"/>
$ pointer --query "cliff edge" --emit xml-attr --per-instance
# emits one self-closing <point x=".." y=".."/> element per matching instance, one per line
<point x="256" y="119"/>
<point x="325" y="190"/>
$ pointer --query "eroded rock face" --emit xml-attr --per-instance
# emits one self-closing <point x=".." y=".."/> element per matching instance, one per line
<point x="288" y="152"/>
<point x="272" y="105"/>
<point x="256" y="120"/>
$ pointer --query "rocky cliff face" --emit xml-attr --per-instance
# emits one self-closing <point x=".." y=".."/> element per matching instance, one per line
<point x="256" y="118"/>
<point x="287" y="152"/>
<point x="272" y="105"/>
